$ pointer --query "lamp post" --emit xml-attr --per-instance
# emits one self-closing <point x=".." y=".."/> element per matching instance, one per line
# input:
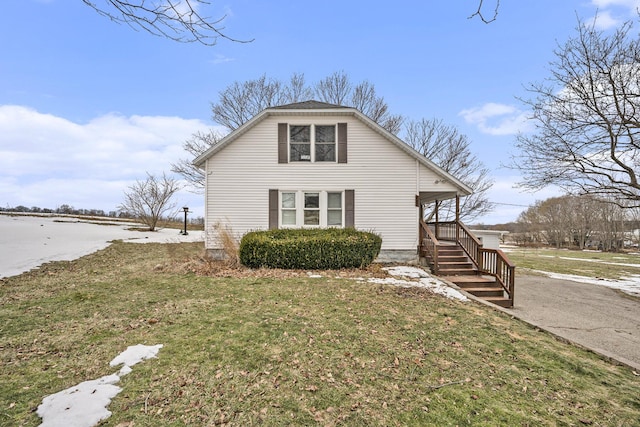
<point x="184" y="232"/>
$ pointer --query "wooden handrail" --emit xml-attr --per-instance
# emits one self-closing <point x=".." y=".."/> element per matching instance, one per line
<point x="470" y="243"/>
<point x="491" y="262"/>
<point x="430" y="243"/>
<point x="497" y="264"/>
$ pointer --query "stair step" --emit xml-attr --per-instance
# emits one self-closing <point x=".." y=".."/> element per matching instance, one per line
<point x="456" y="264"/>
<point x="474" y="279"/>
<point x="485" y="292"/>
<point x="453" y="258"/>
<point x="455" y="271"/>
<point x="501" y="301"/>
<point x="451" y="253"/>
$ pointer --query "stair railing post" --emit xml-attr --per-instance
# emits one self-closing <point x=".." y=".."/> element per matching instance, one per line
<point x="437" y="220"/>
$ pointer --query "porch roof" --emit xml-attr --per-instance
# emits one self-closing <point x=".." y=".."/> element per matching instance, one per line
<point x="432" y="196"/>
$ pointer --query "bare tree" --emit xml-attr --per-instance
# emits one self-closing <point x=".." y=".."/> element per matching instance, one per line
<point x="178" y="20"/>
<point x="150" y="199"/>
<point x="576" y="221"/>
<point x="198" y="144"/>
<point x="334" y="89"/>
<point x="633" y="227"/>
<point x="530" y="227"/>
<point x="338" y="89"/>
<point x="297" y="90"/>
<point x="240" y="102"/>
<point x="587" y="118"/>
<point x="448" y="148"/>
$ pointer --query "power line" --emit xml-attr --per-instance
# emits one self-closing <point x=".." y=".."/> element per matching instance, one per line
<point x="511" y="204"/>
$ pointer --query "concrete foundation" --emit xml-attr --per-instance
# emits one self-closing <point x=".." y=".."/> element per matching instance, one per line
<point x="385" y="256"/>
<point x="398" y="256"/>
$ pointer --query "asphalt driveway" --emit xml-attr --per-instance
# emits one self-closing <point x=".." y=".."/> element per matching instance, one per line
<point x="599" y="318"/>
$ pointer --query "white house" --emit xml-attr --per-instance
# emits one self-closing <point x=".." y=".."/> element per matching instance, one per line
<point x="312" y="164"/>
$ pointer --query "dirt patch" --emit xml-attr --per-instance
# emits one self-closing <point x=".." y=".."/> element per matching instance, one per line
<point x="203" y="265"/>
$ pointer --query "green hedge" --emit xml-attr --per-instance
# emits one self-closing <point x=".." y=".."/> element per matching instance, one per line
<point x="314" y="249"/>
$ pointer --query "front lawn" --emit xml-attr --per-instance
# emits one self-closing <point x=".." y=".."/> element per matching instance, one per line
<point x="283" y="348"/>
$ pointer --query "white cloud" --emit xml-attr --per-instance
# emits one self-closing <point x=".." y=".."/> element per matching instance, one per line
<point x="221" y="59"/>
<point x="629" y="4"/>
<point x="604" y="20"/>
<point x="47" y="160"/>
<point x="612" y="13"/>
<point x="497" y="119"/>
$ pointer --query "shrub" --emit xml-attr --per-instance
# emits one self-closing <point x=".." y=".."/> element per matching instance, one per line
<point x="331" y="248"/>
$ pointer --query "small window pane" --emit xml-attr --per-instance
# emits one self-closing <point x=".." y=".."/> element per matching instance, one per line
<point x="289" y="217"/>
<point x="334" y="200"/>
<point x="311" y="200"/>
<point x="334" y="218"/>
<point x="300" y="133"/>
<point x="312" y="217"/>
<point x="300" y="153"/>
<point x="325" y="152"/>
<point x="325" y="134"/>
<point x="289" y="200"/>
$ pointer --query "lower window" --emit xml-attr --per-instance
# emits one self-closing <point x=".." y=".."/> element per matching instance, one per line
<point x="311" y="208"/>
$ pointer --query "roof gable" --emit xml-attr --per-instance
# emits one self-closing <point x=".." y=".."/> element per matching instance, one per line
<point x="321" y="108"/>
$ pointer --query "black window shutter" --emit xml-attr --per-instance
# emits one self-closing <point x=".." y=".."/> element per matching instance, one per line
<point x="342" y="143"/>
<point x="273" y="209"/>
<point x="283" y="154"/>
<point x="349" y="208"/>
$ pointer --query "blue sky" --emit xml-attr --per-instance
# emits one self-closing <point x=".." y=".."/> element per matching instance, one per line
<point x="88" y="106"/>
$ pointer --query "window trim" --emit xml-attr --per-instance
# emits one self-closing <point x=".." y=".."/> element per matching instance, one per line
<point x="323" y="208"/>
<point x="313" y="144"/>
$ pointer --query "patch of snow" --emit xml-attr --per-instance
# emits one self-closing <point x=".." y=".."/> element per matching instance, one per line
<point x="135" y="354"/>
<point x="82" y="405"/>
<point x="426" y="281"/>
<point x="313" y="275"/>
<point x="630" y="285"/>
<point x="28" y="241"/>
<point x="406" y="271"/>
<point x="599" y="261"/>
<point x="85" y="404"/>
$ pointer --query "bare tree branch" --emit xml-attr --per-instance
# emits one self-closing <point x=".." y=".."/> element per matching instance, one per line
<point x="178" y="20"/>
<point x="480" y="14"/>
<point x="198" y="144"/>
<point x="449" y="149"/>
<point x="587" y="138"/>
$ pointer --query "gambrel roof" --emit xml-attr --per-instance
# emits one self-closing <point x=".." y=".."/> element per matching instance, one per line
<point x="317" y="108"/>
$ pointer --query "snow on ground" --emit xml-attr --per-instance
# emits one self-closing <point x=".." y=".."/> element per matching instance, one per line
<point x="133" y="355"/>
<point x="85" y="404"/>
<point x="424" y="280"/>
<point x="27" y="242"/>
<point x="630" y="285"/>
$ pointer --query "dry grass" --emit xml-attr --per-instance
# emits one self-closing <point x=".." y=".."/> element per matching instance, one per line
<point x="605" y="265"/>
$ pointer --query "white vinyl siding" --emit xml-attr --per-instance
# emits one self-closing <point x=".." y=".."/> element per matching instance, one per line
<point x="385" y="180"/>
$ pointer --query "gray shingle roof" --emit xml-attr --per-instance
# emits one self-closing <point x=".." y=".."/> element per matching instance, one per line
<point x="308" y="105"/>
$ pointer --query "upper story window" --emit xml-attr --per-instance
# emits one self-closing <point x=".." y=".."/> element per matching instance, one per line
<point x="312" y="143"/>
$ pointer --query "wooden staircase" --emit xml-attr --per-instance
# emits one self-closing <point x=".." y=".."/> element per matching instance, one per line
<point x="455" y="265"/>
